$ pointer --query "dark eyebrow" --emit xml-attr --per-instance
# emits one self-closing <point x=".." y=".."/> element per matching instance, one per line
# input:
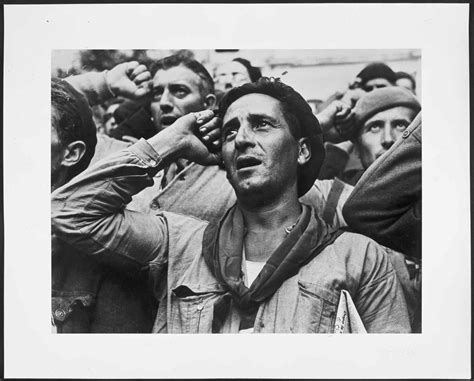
<point x="259" y="117"/>
<point x="252" y="118"/>
<point x="175" y="85"/>
<point x="171" y="85"/>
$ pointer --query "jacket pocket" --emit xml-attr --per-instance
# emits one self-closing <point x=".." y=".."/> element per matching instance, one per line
<point x="315" y="309"/>
<point x="192" y="309"/>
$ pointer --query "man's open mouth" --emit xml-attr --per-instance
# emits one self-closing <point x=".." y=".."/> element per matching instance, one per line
<point x="247" y="161"/>
<point x="168" y="120"/>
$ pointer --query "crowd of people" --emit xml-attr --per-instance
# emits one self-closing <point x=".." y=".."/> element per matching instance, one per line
<point x="185" y="201"/>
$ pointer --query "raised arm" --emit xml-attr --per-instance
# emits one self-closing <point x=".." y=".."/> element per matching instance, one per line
<point x="89" y="212"/>
<point x="128" y="79"/>
<point x="386" y="202"/>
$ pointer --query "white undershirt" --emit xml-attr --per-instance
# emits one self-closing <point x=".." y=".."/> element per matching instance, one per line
<point x="251" y="269"/>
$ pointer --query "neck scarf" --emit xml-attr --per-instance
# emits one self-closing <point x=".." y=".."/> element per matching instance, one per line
<point x="222" y="250"/>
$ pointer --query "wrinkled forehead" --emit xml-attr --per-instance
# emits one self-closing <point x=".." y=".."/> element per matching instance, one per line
<point x="177" y="75"/>
<point x="254" y="104"/>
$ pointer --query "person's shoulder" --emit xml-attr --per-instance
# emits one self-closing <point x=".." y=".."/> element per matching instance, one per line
<point x="346" y="262"/>
<point x="359" y="249"/>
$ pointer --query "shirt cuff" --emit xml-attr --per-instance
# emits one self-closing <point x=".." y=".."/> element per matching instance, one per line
<point x="145" y="152"/>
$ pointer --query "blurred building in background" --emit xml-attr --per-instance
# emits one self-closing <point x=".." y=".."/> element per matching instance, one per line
<point x="316" y="74"/>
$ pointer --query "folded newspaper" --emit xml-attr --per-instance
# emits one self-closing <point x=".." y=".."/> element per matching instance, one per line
<point x="347" y="318"/>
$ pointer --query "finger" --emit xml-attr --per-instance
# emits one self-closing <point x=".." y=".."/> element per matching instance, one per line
<point x="138" y="70"/>
<point x="142" y="77"/>
<point x="203" y="117"/>
<point x="142" y="91"/>
<point x="343" y="113"/>
<point x="214" y="123"/>
<point x="131" y="66"/>
<point x="212" y="136"/>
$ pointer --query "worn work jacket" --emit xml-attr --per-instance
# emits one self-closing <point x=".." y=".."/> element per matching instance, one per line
<point x="89" y="214"/>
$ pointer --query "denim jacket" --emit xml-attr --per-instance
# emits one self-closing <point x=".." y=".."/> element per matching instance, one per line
<point x="89" y="213"/>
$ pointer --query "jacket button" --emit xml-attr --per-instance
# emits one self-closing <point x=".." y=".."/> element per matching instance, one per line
<point x="200" y="307"/>
<point x="405" y="134"/>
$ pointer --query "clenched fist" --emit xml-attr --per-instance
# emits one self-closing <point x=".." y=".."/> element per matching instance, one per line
<point x="129" y="79"/>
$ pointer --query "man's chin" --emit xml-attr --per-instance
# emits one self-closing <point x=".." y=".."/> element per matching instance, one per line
<point x="249" y="188"/>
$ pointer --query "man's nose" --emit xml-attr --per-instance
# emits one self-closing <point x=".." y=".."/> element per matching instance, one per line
<point x="387" y="138"/>
<point x="166" y="104"/>
<point x="244" y="137"/>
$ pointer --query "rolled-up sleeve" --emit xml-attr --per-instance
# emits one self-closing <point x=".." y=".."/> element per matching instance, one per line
<point x="89" y="212"/>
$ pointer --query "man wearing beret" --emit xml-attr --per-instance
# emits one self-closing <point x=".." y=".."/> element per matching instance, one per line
<point x="271" y="264"/>
<point x="377" y="120"/>
<point x="382" y="117"/>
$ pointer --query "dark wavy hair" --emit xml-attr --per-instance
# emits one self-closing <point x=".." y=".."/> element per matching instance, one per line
<point x="174" y="60"/>
<point x="72" y="119"/>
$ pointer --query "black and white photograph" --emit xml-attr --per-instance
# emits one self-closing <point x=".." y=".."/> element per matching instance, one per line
<point x="191" y="202"/>
<point x="224" y="171"/>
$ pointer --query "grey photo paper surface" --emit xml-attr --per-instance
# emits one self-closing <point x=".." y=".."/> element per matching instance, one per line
<point x="212" y="174"/>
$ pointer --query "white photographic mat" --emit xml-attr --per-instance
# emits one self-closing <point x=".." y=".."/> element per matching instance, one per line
<point x="439" y="31"/>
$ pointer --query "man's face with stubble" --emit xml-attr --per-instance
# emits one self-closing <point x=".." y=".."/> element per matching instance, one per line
<point x="177" y="91"/>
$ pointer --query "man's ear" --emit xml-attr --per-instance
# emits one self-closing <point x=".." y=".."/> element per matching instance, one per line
<point x="304" y="153"/>
<point x="74" y="153"/>
<point x="210" y="101"/>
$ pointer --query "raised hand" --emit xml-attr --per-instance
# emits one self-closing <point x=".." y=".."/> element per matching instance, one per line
<point x="195" y="136"/>
<point x="130" y="80"/>
<point x="336" y="121"/>
<point x="351" y="96"/>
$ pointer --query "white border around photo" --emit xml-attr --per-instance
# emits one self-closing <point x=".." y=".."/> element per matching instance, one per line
<point x="439" y="30"/>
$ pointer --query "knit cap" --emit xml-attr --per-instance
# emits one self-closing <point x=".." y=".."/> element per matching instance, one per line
<point x="380" y="100"/>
